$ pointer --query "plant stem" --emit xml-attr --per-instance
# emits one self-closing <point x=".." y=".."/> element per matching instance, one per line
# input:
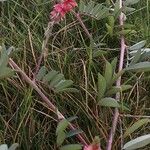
<point x="82" y="24"/>
<point x="43" y="96"/>
<point x="44" y="44"/>
<point x="118" y="83"/>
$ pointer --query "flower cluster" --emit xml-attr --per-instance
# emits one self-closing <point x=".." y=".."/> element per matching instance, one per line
<point x="59" y="10"/>
<point x="95" y="145"/>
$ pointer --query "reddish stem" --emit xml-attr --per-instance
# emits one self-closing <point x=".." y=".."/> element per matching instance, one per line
<point x="118" y="83"/>
<point x="82" y="24"/>
<point x="43" y="96"/>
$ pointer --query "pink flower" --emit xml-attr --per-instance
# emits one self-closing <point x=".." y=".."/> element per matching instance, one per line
<point x="92" y="147"/>
<point x="60" y="9"/>
<point x="72" y="3"/>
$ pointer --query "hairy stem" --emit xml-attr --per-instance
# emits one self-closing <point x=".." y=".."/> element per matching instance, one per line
<point x="118" y="83"/>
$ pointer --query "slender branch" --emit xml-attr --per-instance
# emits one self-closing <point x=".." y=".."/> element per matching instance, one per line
<point x="44" y="44"/>
<point x="43" y="96"/>
<point x="77" y="15"/>
<point x="118" y="83"/>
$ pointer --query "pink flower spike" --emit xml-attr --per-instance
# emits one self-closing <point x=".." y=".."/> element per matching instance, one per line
<point x="87" y="148"/>
<point x="92" y="147"/>
<point x="60" y="10"/>
<point x="71" y="2"/>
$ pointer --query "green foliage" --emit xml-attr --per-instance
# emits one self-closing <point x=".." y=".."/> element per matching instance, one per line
<point x="55" y="80"/>
<point x="109" y="102"/>
<point x="63" y="124"/>
<point x="137" y="53"/>
<point x="116" y="10"/>
<point x="71" y="147"/>
<point x="98" y="53"/>
<point x="110" y="25"/>
<point x="139" y="67"/>
<point x="94" y="10"/>
<point x="73" y="132"/>
<point x="4" y="70"/>
<point x="116" y="89"/>
<point x="101" y="86"/>
<point x="136" y="126"/>
<point x="105" y="83"/>
<point x="41" y="73"/>
<point x="62" y="134"/>
<point x="135" y="57"/>
<point x="131" y="2"/>
<point x="138" y="142"/>
<point x="108" y="73"/>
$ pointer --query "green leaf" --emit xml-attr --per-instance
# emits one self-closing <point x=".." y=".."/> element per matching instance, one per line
<point x="146" y="53"/>
<point x="56" y="79"/>
<point x="128" y="26"/>
<point x="136" y="58"/>
<point x="137" y="143"/>
<point x="101" y="86"/>
<point x="63" y="84"/>
<point x="131" y="2"/>
<point x="102" y="14"/>
<point x="108" y="73"/>
<point x="109" y="102"/>
<point x="60" y="138"/>
<point x="139" y="67"/>
<point x="117" y="9"/>
<point x="125" y="87"/>
<point x="136" y="126"/>
<point x="128" y="9"/>
<point x="70" y="119"/>
<point x="124" y="106"/>
<point x="81" y="6"/>
<point x="74" y="90"/>
<point x="94" y="10"/>
<point x="62" y="125"/>
<point x="116" y="89"/>
<point x="111" y="21"/>
<point x="73" y="132"/>
<point x="114" y="64"/>
<point x="113" y="90"/>
<point x="116" y="76"/>
<point x="3" y="59"/>
<point x="41" y="73"/>
<point x="3" y="147"/>
<point x="137" y="46"/>
<point x="109" y="30"/>
<point x="97" y="9"/>
<point x="127" y="31"/>
<point x="71" y="147"/>
<point x="5" y="72"/>
<point x="90" y="6"/>
<point x="98" y="53"/>
<point x="13" y="146"/>
<point x="49" y="76"/>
